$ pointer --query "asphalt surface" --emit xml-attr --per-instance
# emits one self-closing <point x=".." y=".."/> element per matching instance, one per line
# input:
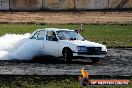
<point x="118" y="62"/>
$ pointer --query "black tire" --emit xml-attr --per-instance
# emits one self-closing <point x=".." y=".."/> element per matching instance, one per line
<point x="67" y="55"/>
<point x="95" y="59"/>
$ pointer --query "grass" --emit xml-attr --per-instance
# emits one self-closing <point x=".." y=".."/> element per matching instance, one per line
<point x="46" y="82"/>
<point x="110" y="35"/>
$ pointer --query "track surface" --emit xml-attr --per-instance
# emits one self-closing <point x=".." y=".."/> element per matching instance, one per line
<point x="118" y="62"/>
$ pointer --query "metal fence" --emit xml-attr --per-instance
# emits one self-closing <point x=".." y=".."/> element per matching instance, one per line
<point x="64" y="4"/>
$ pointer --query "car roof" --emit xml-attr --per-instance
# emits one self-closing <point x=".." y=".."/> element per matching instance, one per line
<point x="54" y="29"/>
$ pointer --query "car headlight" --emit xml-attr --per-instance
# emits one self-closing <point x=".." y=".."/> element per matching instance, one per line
<point x="82" y="48"/>
<point x="104" y="48"/>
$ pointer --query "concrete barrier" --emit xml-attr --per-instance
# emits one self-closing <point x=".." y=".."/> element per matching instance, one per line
<point x="114" y="4"/>
<point x="120" y="4"/>
<point x="97" y="4"/>
<point x="4" y="4"/>
<point x="64" y="4"/>
<point x="81" y="4"/>
<point x="58" y="4"/>
<point x="128" y="4"/>
<point x="25" y="4"/>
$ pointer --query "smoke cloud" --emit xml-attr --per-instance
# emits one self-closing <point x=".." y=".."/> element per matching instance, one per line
<point x="18" y="47"/>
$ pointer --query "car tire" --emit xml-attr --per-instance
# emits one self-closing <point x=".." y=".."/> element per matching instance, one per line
<point x="67" y="55"/>
<point x="95" y="59"/>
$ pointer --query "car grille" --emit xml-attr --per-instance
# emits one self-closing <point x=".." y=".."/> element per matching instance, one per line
<point x="94" y="49"/>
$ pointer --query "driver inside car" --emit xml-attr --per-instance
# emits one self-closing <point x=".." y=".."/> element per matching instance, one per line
<point x="54" y="37"/>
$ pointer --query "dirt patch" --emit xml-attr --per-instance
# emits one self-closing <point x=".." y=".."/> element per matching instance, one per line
<point x="67" y="17"/>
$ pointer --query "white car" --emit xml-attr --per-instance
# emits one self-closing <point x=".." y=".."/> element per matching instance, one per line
<point x="67" y="44"/>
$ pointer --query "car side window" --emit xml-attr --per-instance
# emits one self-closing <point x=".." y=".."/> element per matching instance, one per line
<point x="41" y="35"/>
<point x="35" y="35"/>
<point x="51" y="36"/>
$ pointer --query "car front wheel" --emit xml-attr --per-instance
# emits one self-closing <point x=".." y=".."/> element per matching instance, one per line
<point x="67" y="55"/>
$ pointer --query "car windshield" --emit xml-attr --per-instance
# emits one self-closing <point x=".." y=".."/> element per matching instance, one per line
<point x="69" y="35"/>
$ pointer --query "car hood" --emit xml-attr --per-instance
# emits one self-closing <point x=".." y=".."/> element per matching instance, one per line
<point x="82" y="43"/>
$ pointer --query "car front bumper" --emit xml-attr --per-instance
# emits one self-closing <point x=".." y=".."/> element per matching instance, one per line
<point x="85" y="54"/>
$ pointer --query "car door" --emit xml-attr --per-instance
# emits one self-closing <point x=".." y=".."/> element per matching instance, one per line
<point x="51" y="44"/>
<point x="39" y="39"/>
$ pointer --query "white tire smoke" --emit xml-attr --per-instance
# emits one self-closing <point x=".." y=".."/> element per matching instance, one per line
<point x="18" y="47"/>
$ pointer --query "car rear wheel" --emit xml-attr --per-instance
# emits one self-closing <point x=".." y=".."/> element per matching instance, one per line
<point x="67" y="55"/>
<point x="95" y="59"/>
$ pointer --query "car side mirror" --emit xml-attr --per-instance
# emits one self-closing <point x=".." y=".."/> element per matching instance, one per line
<point x="76" y="30"/>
